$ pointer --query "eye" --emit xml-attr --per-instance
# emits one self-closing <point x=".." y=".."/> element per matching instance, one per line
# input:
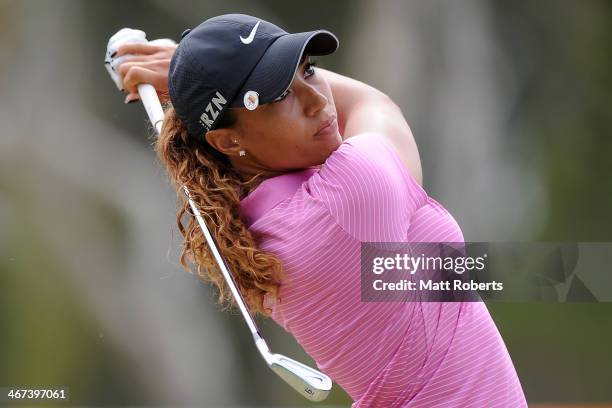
<point x="308" y="72"/>
<point x="309" y="68"/>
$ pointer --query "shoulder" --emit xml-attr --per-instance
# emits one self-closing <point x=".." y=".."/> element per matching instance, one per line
<point x="367" y="189"/>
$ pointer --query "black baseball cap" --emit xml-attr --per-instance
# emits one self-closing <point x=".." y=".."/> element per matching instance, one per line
<point x="236" y="60"/>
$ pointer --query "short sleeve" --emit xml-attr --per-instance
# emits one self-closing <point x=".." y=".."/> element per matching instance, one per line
<point x="367" y="189"/>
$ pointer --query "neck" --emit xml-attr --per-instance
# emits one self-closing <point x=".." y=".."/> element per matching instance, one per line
<point x="247" y="170"/>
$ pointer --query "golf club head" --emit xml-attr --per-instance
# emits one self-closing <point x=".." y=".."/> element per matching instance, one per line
<point x="309" y="382"/>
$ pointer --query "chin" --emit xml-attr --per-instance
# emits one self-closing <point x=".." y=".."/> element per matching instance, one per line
<point x="338" y="141"/>
<point x="332" y="148"/>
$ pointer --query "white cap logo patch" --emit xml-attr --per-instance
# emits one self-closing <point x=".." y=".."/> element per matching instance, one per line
<point x="251" y="100"/>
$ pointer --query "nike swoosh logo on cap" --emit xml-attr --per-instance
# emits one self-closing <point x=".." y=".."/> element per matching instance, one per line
<point x="249" y="39"/>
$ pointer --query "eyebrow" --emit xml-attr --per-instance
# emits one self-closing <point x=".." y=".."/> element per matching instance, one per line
<point x="304" y="58"/>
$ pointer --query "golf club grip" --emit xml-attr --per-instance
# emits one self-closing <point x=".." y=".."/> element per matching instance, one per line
<point x="149" y="99"/>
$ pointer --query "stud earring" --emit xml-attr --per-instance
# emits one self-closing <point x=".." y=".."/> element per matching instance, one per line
<point x="242" y="152"/>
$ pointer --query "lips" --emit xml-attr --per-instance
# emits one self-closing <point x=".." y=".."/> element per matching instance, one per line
<point x="327" y="125"/>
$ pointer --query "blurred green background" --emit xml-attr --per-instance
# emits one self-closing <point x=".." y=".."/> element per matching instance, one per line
<point x="510" y="105"/>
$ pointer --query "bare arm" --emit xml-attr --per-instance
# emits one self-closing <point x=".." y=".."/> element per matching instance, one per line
<point x="362" y="108"/>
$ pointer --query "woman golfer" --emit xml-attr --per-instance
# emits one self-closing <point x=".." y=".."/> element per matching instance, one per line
<point x="294" y="167"/>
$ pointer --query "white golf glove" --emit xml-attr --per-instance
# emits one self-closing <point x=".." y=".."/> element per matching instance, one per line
<point x="123" y="36"/>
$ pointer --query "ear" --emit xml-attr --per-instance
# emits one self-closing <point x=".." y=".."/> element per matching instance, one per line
<point x="223" y="140"/>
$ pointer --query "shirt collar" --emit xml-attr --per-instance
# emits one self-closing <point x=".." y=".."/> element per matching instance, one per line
<point x="270" y="192"/>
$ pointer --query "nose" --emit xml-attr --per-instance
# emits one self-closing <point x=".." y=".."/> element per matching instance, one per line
<point x="313" y="100"/>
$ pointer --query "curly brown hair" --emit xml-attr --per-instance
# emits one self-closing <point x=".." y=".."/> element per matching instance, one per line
<point x="217" y="189"/>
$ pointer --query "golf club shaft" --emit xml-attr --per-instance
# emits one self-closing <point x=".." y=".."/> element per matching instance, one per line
<point x="149" y="99"/>
<point x="309" y="382"/>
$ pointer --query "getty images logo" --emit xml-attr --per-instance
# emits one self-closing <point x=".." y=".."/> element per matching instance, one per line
<point x="212" y="110"/>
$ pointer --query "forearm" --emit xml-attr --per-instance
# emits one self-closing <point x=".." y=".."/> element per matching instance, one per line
<point x="349" y="94"/>
<point x="362" y="108"/>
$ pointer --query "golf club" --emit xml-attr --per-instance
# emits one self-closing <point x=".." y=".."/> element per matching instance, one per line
<point x="309" y="382"/>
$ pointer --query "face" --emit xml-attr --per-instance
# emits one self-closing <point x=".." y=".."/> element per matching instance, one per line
<point x="298" y="130"/>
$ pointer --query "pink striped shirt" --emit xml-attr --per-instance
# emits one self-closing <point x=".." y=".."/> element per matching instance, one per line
<point x="387" y="354"/>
